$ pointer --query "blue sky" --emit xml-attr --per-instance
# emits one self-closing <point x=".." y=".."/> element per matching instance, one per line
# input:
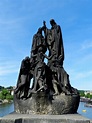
<point x="19" y="21"/>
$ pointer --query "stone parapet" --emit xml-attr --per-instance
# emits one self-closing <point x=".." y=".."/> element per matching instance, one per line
<point x="27" y="118"/>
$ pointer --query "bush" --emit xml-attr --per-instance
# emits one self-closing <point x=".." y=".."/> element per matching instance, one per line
<point x="1" y="96"/>
<point x="9" y="97"/>
<point x="90" y="96"/>
<point x="81" y="93"/>
<point x="5" y="94"/>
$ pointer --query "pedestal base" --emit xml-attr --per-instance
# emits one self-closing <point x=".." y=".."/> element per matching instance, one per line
<point x="41" y="103"/>
<point x="27" y="118"/>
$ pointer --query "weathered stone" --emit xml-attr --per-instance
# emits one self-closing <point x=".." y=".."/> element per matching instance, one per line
<point x="41" y="103"/>
<point x="27" y="118"/>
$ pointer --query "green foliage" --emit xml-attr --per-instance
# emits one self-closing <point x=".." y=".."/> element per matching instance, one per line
<point x="87" y="95"/>
<point x="5" y="94"/>
<point x="90" y="96"/>
<point x="10" y="87"/>
<point x="81" y="92"/>
<point x="1" y="87"/>
<point x="1" y="96"/>
<point x="9" y="97"/>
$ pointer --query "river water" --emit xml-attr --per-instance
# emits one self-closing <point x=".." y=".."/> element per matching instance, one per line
<point x="85" y="111"/>
<point x="8" y="108"/>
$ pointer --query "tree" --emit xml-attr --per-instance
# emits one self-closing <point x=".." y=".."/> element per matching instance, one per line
<point x="88" y="95"/>
<point x="9" y="88"/>
<point x="82" y="94"/>
<point x="5" y="94"/>
<point x="1" y="87"/>
<point x="9" y="97"/>
<point x="91" y="96"/>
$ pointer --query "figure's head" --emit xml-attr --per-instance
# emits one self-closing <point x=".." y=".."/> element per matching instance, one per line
<point x="39" y="30"/>
<point x="52" y="22"/>
<point x="27" y="58"/>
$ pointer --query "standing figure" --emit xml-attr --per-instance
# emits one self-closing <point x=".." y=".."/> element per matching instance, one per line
<point x="54" y="41"/>
<point x="38" y="48"/>
<point x="38" y="40"/>
<point x="57" y="39"/>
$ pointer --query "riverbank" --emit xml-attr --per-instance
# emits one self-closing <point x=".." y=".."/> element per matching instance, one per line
<point x="84" y="99"/>
<point x="87" y="101"/>
<point x="5" y="101"/>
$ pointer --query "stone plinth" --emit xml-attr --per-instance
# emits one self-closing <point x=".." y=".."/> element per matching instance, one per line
<point x="42" y="103"/>
<point x="39" y="103"/>
<point x="27" y="118"/>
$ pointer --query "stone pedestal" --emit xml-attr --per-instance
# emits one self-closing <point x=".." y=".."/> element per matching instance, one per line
<point x="39" y="103"/>
<point x="27" y="118"/>
<point x="42" y="103"/>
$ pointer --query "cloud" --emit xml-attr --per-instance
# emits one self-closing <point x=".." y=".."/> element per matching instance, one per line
<point x="9" y="71"/>
<point x="82" y="75"/>
<point x="86" y="45"/>
<point x="8" y="68"/>
<point x="80" y="79"/>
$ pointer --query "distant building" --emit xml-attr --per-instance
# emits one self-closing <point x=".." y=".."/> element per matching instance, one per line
<point x="88" y="92"/>
<point x="11" y="90"/>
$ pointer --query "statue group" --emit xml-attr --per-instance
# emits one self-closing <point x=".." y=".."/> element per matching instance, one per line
<point x="50" y="82"/>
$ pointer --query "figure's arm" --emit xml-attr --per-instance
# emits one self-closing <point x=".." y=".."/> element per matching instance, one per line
<point x="61" y="59"/>
<point x="49" y="56"/>
<point x="44" y="28"/>
<point x="33" y="54"/>
<point x="45" y="56"/>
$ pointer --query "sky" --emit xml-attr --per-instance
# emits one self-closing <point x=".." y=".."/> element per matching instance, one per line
<point x="20" y="20"/>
